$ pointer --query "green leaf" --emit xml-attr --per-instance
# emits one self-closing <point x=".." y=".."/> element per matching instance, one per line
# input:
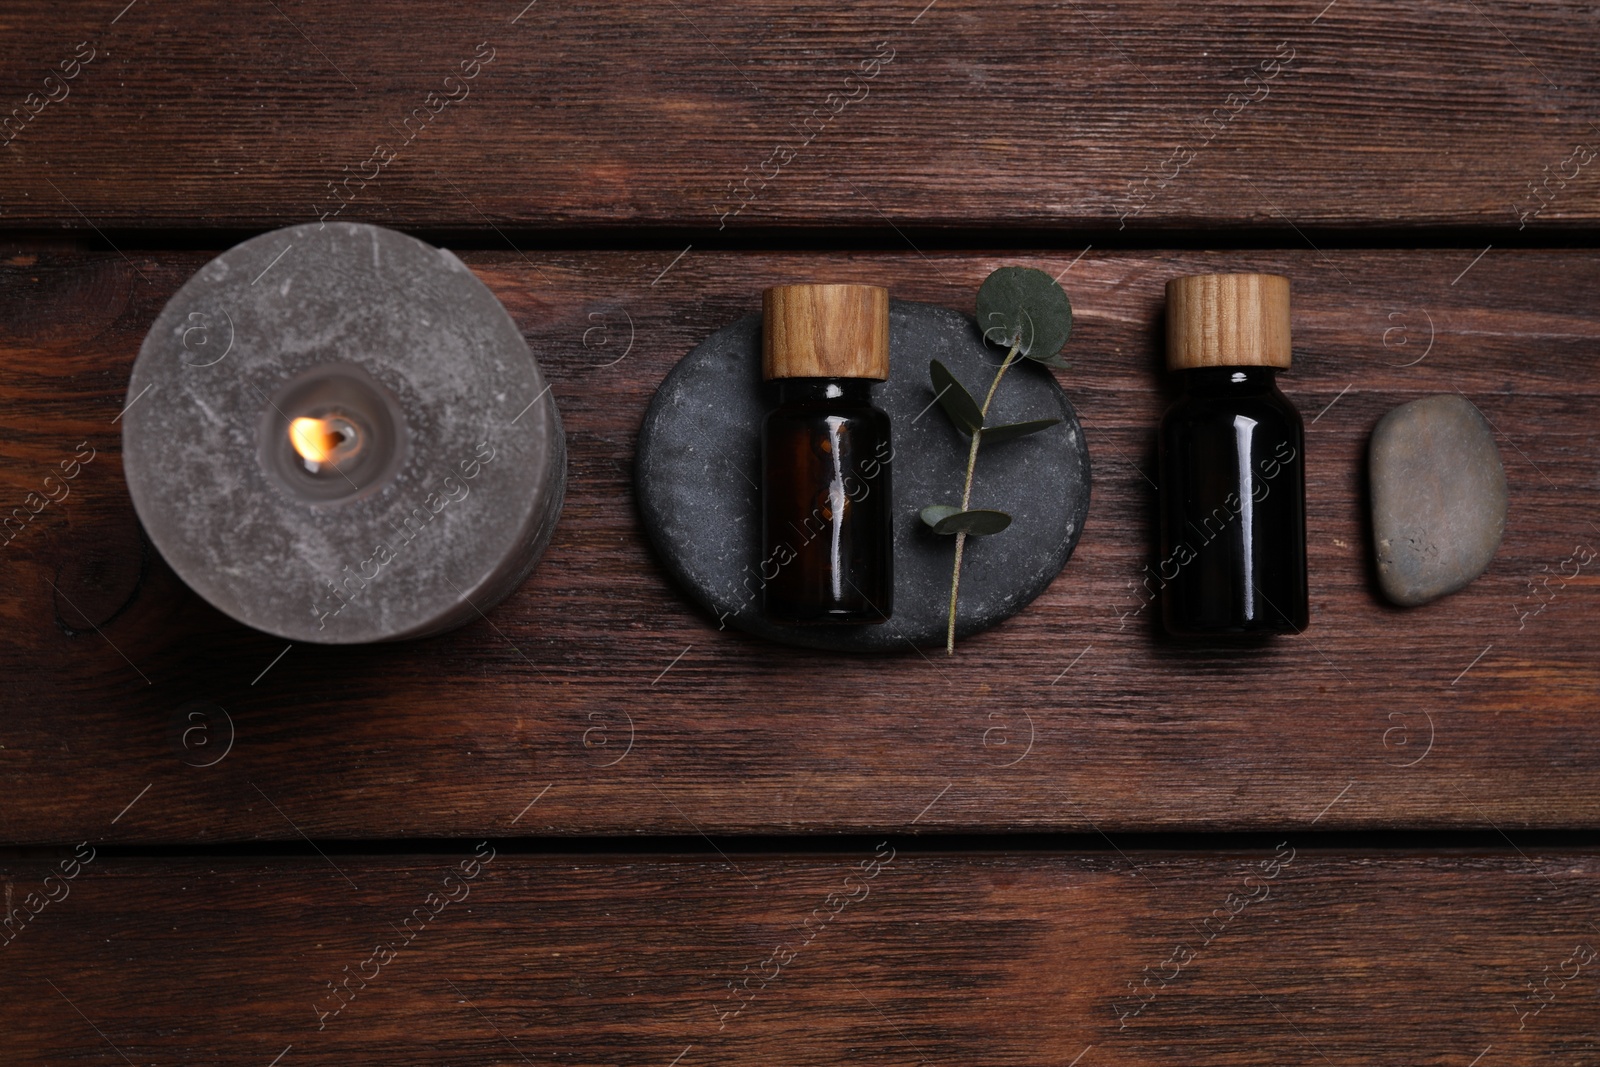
<point x="954" y="398"/>
<point x="1024" y="307"/>
<point x="974" y="523"/>
<point x="1053" y="361"/>
<point x="1016" y="429"/>
<point x="934" y="514"/>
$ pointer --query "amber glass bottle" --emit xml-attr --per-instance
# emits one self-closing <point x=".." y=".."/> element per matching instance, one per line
<point x="827" y="533"/>
<point x="1233" y="529"/>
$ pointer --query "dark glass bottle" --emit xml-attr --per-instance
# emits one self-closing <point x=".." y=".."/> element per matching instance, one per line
<point x="1232" y="474"/>
<point x="827" y="528"/>
<point x="825" y="462"/>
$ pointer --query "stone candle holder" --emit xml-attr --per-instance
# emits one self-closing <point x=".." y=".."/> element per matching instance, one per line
<point x="335" y="433"/>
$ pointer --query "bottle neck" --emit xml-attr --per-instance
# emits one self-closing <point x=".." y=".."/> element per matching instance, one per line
<point x="1229" y="381"/>
<point x="823" y="390"/>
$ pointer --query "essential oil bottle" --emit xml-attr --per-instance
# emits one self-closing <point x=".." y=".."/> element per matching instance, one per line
<point x="827" y="532"/>
<point x="1233" y="526"/>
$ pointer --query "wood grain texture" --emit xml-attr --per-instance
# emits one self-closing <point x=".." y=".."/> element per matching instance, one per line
<point x="1339" y="958"/>
<point x="1228" y="320"/>
<point x="1037" y="115"/>
<point x="599" y="691"/>
<point x="825" y="331"/>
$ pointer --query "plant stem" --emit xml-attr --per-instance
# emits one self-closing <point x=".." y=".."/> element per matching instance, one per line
<point x="966" y="499"/>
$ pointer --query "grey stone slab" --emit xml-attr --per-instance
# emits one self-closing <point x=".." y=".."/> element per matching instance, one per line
<point x="698" y="477"/>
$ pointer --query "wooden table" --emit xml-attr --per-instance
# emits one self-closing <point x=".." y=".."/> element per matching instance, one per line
<point x="593" y="828"/>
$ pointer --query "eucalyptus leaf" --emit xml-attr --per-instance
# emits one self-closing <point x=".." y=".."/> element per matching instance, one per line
<point x="975" y="523"/>
<point x="934" y="514"/>
<point x="954" y="398"/>
<point x="1016" y="429"/>
<point x="1024" y="307"/>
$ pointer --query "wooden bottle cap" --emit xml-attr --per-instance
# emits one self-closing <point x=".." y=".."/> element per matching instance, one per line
<point x="1228" y="320"/>
<point x="825" y="331"/>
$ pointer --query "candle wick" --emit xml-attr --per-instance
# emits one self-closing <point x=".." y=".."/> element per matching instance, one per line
<point x="315" y="440"/>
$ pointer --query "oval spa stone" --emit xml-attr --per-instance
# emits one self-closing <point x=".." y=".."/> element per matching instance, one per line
<point x="698" y="469"/>
<point x="1438" y="498"/>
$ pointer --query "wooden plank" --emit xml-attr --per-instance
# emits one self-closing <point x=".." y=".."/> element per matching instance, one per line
<point x="1475" y="711"/>
<point x="1039" y="115"/>
<point x="870" y="956"/>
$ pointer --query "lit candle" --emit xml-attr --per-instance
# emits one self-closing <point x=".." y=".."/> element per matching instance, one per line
<point x="371" y="451"/>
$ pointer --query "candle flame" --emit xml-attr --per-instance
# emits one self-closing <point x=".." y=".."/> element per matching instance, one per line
<point x="314" y="439"/>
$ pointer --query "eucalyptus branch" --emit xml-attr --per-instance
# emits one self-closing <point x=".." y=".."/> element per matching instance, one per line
<point x="966" y="497"/>
<point x="1026" y="310"/>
